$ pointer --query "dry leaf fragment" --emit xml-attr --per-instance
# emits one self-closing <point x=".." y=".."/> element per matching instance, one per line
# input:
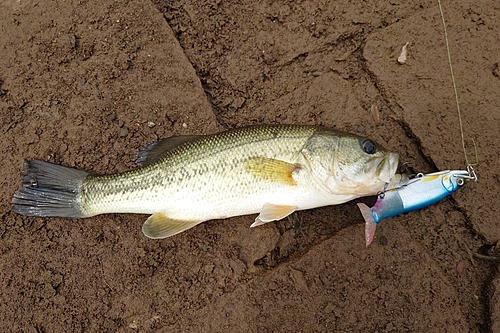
<point x="375" y="113"/>
<point x="404" y="53"/>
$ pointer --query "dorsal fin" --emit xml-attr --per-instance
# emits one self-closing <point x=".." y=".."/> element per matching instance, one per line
<point x="155" y="150"/>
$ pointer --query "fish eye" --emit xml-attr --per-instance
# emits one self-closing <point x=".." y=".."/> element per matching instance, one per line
<point x="368" y="146"/>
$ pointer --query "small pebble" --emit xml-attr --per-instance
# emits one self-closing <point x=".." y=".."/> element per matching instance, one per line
<point x="72" y="41"/>
<point x="237" y="265"/>
<point x="383" y="241"/>
<point x="63" y="147"/>
<point x="123" y="131"/>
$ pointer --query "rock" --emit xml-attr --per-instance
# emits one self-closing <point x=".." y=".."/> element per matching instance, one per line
<point x="122" y="131"/>
<point x="237" y="265"/>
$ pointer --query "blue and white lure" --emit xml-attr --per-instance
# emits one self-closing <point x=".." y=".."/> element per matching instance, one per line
<point x="424" y="190"/>
<point x="420" y="192"/>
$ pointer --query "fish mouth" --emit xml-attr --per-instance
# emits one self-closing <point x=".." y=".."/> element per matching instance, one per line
<point x="399" y="179"/>
<point x="384" y="168"/>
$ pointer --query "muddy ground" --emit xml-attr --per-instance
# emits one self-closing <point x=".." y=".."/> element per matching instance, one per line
<point x="87" y="84"/>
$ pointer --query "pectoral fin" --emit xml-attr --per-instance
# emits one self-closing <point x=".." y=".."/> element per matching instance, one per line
<point x="272" y="212"/>
<point x="159" y="226"/>
<point x="271" y="169"/>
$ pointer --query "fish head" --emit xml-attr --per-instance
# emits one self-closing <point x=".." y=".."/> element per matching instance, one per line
<point x="349" y="165"/>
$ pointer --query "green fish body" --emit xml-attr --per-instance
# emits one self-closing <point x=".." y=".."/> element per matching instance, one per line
<point x="272" y="170"/>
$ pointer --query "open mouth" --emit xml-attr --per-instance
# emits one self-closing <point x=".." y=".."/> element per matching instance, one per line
<point x="386" y="167"/>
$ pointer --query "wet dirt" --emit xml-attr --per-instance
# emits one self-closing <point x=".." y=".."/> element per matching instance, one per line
<point x="88" y="84"/>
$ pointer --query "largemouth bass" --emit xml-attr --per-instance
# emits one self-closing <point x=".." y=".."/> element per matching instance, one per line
<point x="182" y="181"/>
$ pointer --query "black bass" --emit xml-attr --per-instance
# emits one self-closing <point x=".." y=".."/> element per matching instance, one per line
<point x="182" y="181"/>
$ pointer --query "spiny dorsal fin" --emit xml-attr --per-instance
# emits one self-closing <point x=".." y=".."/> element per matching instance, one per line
<point x="159" y="226"/>
<point x="272" y="212"/>
<point x="155" y="150"/>
<point x="271" y="169"/>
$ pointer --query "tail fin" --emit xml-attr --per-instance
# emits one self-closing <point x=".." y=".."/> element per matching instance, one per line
<point x="370" y="225"/>
<point x="49" y="190"/>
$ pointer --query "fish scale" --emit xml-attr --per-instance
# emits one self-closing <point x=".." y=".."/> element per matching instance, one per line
<point x="170" y="180"/>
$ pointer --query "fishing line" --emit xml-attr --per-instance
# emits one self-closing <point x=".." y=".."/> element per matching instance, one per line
<point x="470" y="168"/>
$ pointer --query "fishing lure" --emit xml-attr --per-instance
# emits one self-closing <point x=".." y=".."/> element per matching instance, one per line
<point x="422" y="191"/>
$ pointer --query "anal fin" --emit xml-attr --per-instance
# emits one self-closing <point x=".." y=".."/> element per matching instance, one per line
<point x="159" y="226"/>
<point x="272" y="212"/>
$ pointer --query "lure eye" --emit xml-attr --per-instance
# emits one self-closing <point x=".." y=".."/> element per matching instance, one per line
<point x="460" y="181"/>
<point x="368" y="146"/>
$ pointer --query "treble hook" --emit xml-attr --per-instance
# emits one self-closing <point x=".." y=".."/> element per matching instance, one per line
<point x="472" y="173"/>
